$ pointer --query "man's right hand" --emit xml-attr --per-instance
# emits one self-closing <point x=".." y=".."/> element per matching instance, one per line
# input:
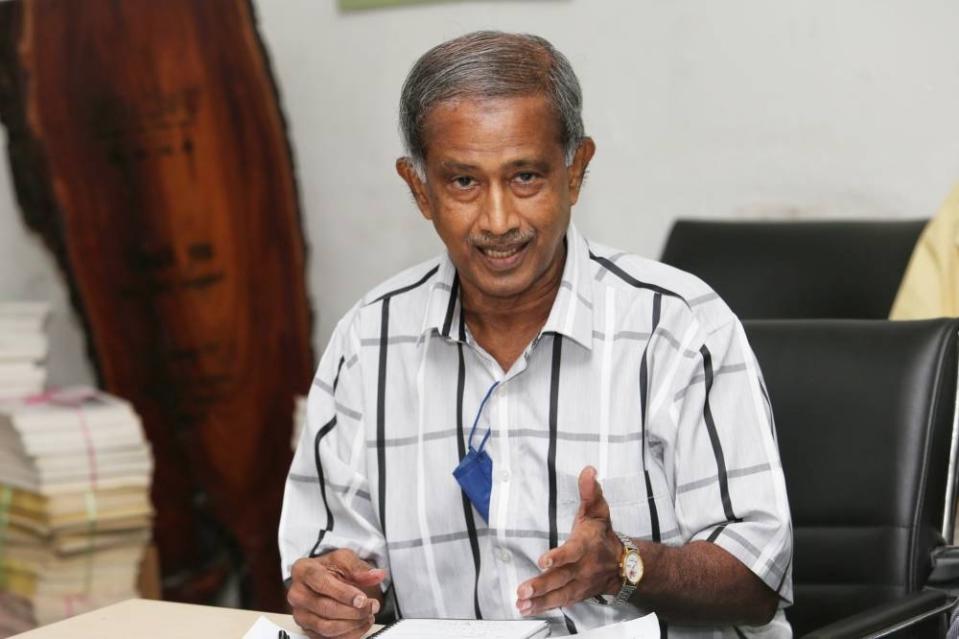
<point x="335" y="595"/>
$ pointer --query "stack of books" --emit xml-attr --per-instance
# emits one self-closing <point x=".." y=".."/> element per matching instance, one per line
<point x="75" y="512"/>
<point x="23" y="348"/>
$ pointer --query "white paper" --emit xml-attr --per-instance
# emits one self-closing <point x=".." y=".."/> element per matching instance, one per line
<point x="643" y="628"/>
<point x="464" y="629"/>
<point x="266" y="629"/>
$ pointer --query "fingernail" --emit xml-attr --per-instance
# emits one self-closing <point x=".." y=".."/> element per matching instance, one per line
<point x="525" y="592"/>
<point x="376" y="606"/>
<point x="524" y="605"/>
<point x="546" y="563"/>
<point x="359" y="601"/>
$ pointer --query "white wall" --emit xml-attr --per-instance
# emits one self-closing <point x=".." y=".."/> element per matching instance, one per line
<point x="739" y="108"/>
<point x="28" y="272"/>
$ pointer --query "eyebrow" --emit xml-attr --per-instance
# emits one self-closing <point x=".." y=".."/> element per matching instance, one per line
<point x="451" y="166"/>
<point x="538" y="165"/>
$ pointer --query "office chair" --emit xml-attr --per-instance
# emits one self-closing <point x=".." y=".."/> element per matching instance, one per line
<point x="781" y="270"/>
<point x="867" y="426"/>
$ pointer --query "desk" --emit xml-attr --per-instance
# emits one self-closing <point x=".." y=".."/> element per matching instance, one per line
<point x="145" y="619"/>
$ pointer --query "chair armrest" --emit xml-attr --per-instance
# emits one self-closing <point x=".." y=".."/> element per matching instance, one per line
<point x="887" y="618"/>
<point x="945" y="565"/>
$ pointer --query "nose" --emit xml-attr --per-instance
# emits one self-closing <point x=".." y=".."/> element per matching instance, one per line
<point x="499" y="215"/>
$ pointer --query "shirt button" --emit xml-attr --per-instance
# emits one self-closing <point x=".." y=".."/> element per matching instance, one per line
<point x="505" y="556"/>
<point x="502" y="474"/>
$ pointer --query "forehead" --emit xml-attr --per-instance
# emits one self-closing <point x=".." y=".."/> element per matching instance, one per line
<point x="491" y="129"/>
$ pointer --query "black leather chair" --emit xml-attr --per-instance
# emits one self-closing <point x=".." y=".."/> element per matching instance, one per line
<point x="866" y="418"/>
<point x="772" y="270"/>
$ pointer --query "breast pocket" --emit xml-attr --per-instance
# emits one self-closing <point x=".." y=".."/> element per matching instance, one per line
<point x="629" y="507"/>
<point x="631" y="512"/>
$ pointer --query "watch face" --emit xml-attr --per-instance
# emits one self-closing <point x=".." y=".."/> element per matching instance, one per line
<point x="633" y="568"/>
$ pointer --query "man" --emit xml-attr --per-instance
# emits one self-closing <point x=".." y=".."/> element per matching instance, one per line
<point x="633" y="461"/>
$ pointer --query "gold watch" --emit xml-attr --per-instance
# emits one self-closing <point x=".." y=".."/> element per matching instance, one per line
<point x="630" y="569"/>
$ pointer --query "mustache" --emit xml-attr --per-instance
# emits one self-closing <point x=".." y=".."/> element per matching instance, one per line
<point x="497" y="242"/>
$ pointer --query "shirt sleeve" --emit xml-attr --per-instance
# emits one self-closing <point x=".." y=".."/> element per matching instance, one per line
<point x="327" y="504"/>
<point x="721" y="453"/>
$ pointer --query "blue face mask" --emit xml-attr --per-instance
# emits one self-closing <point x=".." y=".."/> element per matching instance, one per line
<point x="474" y="473"/>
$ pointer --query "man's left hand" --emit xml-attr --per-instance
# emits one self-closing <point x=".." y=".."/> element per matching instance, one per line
<point x="586" y="565"/>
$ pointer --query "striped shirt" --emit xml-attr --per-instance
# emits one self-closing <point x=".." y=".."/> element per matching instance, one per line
<point x="640" y="370"/>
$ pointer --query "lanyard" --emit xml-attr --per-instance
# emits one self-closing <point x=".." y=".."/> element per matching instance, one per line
<point x="479" y="413"/>
<point x="474" y="473"/>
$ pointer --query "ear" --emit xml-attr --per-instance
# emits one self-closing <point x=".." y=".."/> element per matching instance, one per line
<point x="577" y="170"/>
<point x="406" y="170"/>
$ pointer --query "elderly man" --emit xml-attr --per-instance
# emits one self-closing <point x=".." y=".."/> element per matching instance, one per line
<point x="532" y="424"/>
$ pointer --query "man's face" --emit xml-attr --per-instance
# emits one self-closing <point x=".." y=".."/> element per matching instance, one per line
<point x="497" y="189"/>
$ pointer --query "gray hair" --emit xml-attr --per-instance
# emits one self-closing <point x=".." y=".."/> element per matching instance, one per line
<point x="490" y="64"/>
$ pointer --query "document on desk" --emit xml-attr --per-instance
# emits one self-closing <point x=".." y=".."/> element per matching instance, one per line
<point x="643" y="628"/>
<point x="266" y="629"/>
<point x="463" y="629"/>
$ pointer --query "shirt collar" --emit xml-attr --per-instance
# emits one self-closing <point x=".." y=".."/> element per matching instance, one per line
<point x="571" y="314"/>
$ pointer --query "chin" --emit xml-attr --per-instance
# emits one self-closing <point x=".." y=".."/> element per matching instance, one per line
<point x="504" y="286"/>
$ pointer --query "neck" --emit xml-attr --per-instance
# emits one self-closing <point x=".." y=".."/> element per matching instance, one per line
<point x="504" y="326"/>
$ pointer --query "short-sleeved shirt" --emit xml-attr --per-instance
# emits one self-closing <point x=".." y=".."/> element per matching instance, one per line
<point x="640" y="371"/>
<point x="930" y="286"/>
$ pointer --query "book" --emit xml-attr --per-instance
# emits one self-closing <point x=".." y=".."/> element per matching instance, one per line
<point x="23" y="347"/>
<point x="646" y="627"/>
<point x="75" y="509"/>
<point x="464" y="629"/>
<point x="23" y="317"/>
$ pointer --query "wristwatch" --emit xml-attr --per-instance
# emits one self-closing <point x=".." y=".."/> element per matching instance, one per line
<point x="630" y="569"/>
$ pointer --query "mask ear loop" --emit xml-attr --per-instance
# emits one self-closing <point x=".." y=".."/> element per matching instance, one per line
<point x="476" y="420"/>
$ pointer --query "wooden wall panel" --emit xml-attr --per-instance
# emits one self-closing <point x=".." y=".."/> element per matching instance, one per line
<point x="149" y="151"/>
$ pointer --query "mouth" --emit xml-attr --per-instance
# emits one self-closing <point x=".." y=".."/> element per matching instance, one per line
<point x="503" y="258"/>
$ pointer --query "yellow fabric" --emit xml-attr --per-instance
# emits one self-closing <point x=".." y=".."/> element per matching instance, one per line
<point x="930" y="287"/>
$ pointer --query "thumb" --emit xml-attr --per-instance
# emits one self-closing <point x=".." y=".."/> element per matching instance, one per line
<point x="591" y="500"/>
<point x="361" y="572"/>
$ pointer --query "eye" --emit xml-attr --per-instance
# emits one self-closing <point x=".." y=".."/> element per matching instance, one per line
<point x="463" y="182"/>
<point x="525" y="177"/>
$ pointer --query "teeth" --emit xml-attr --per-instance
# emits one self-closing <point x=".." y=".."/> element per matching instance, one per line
<point x="502" y="254"/>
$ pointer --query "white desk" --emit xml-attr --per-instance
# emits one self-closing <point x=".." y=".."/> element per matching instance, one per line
<point x="146" y="619"/>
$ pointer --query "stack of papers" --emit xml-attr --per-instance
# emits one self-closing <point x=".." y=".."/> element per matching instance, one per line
<point x="646" y="627"/>
<point x="23" y="348"/>
<point x="75" y="512"/>
<point x="16" y="615"/>
<point x="464" y="629"/>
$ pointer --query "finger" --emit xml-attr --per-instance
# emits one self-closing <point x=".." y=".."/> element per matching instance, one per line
<point x="350" y="635"/>
<point x="349" y="561"/>
<point x="568" y="553"/>
<point x="329" y="628"/>
<point x="559" y="598"/>
<point x="592" y="503"/>
<point x="329" y="608"/>
<point x="352" y="568"/>
<point x="368" y="577"/>
<point x="547" y="582"/>
<point x="324" y="582"/>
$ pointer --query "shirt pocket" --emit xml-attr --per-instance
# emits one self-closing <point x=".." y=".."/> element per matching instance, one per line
<point x="629" y="508"/>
